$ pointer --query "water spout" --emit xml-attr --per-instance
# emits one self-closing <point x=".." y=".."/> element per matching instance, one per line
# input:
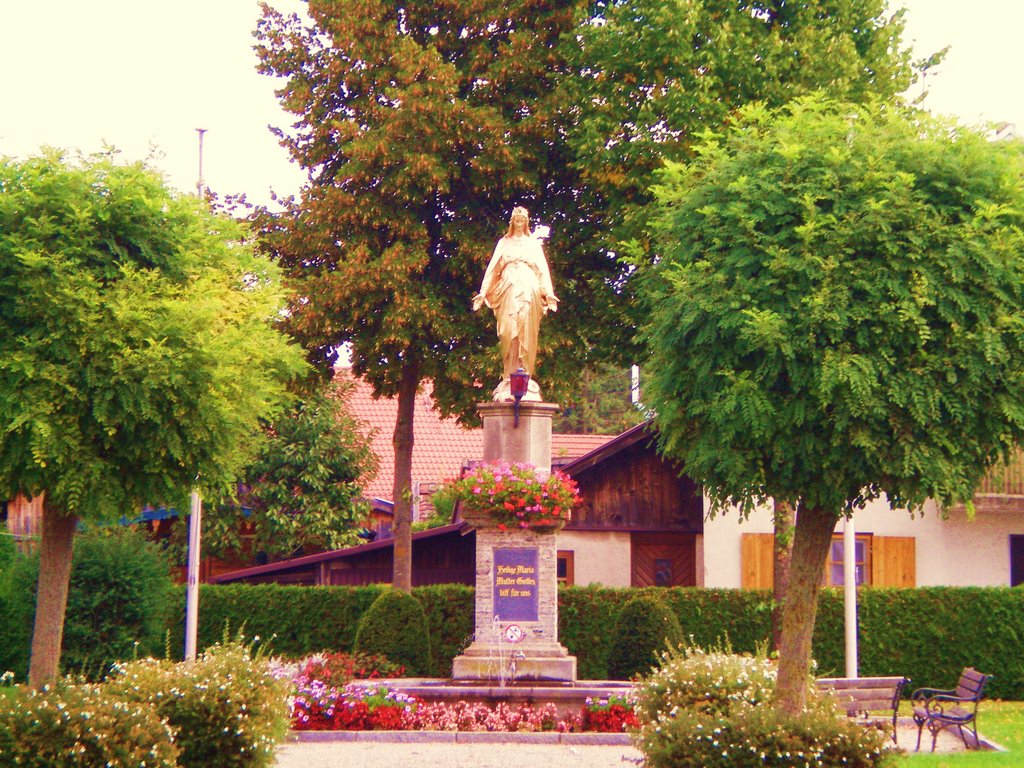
<point x="513" y="660"/>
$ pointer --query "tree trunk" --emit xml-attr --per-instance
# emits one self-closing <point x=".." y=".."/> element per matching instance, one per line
<point x="783" y="553"/>
<point x="55" y="550"/>
<point x="402" y="486"/>
<point x="812" y="535"/>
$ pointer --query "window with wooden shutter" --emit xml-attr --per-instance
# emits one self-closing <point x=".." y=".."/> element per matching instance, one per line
<point x="894" y="561"/>
<point x="757" y="560"/>
<point x="882" y="561"/>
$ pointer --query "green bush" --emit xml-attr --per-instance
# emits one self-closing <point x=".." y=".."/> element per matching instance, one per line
<point x="643" y="629"/>
<point x="396" y="626"/>
<point x="76" y="726"/>
<point x="711" y="681"/>
<point x="8" y="549"/>
<point x="450" y="611"/>
<point x="760" y="737"/>
<point x="118" y="602"/>
<point x="929" y="634"/>
<point x="225" y="708"/>
<point x="713" y="709"/>
<point x="17" y="611"/>
<point x="586" y="615"/>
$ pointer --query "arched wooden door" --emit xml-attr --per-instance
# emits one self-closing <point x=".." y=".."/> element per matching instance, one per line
<point x="664" y="560"/>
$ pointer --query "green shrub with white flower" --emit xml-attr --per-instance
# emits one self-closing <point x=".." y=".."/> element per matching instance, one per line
<point x="74" y="726"/>
<point x="714" y="709"/>
<point x="226" y="708"/>
<point x="516" y="496"/>
<point x="709" y="681"/>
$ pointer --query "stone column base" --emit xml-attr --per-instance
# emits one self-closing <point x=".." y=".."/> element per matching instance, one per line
<point x="534" y="662"/>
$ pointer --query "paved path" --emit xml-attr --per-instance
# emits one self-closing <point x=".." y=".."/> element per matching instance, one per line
<point x="410" y="749"/>
<point x="452" y="755"/>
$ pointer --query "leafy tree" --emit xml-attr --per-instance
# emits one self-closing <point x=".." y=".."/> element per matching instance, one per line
<point x="421" y="124"/>
<point x="650" y="76"/>
<point x="137" y="353"/>
<point x="836" y="317"/>
<point x="303" y="487"/>
<point x="604" y="405"/>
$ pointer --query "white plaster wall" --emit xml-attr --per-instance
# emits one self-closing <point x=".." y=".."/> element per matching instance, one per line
<point x="598" y="558"/>
<point x="950" y="552"/>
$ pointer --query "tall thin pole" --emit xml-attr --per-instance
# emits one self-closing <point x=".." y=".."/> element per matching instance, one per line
<point x="192" y="579"/>
<point x="200" y="187"/>
<point x="850" y="594"/>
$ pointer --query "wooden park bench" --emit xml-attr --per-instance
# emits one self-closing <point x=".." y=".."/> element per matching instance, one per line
<point x="864" y="695"/>
<point x="957" y="708"/>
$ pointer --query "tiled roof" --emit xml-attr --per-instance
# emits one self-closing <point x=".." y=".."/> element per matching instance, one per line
<point x="441" y="446"/>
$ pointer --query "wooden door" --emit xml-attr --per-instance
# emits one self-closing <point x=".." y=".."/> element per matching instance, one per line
<point x="664" y="560"/>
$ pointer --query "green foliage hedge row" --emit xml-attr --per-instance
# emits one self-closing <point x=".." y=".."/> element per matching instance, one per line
<point x="118" y="604"/>
<point x="928" y="634"/>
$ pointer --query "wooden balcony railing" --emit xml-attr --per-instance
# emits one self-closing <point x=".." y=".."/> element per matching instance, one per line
<point x="1005" y="479"/>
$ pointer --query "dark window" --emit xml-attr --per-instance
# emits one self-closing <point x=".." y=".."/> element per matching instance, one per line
<point x="565" y="567"/>
<point x="663" y="573"/>
<point x="834" y="573"/>
<point x="1016" y="560"/>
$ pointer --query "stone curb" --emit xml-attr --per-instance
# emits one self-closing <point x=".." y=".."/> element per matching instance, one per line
<point x="463" y="737"/>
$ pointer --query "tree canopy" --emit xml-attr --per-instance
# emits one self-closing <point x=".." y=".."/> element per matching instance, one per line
<point x="138" y="350"/>
<point x="303" y="488"/>
<point x="650" y="76"/>
<point x="836" y="316"/>
<point x="138" y="347"/>
<point x="421" y="124"/>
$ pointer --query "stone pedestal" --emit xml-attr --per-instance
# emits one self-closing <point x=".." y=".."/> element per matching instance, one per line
<point x="516" y="618"/>
<point x="530" y="441"/>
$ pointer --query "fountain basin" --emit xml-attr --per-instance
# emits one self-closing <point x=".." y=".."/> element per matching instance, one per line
<point x="568" y="697"/>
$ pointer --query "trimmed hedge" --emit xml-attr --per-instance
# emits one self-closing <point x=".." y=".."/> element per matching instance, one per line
<point x="395" y="626"/>
<point x="646" y="627"/>
<point x="293" y="621"/>
<point x="928" y="634"/>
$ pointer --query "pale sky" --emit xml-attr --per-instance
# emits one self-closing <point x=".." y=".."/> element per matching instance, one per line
<point x="142" y="73"/>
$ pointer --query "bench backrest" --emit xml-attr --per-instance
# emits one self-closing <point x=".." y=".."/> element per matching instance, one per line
<point x="865" y="694"/>
<point x="971" y="686"/>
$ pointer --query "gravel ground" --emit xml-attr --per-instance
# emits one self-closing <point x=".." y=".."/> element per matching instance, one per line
<point x="399" y="755"/>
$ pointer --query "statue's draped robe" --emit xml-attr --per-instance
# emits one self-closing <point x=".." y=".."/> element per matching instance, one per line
<point x="517" y="286"/>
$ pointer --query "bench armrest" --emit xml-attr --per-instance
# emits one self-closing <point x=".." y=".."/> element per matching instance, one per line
<point x="936" y="707"/>
<point x="927" y="693"/>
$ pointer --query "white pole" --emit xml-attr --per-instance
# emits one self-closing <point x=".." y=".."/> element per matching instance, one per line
<point x="199" y="184"/>
<point x="850" y="594"/>
<point x="634" y="385"/>
<point x="192" y="582"/>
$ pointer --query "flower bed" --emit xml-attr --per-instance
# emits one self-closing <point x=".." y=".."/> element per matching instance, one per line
<point x="614" y="714"/>
<point x="338" y="704"/>
<point x="514" y="496"/>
